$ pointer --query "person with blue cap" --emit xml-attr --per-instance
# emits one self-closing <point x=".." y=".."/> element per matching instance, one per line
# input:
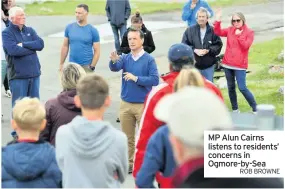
<point x="179" y="55"/>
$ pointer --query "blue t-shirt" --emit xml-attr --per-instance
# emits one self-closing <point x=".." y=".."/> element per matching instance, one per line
<point x="81" y="39"/>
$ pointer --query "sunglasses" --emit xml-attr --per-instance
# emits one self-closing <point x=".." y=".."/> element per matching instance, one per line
<point x="238" y="21"/>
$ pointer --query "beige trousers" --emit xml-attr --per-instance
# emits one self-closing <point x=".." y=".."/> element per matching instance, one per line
<point x="130" y="115"/>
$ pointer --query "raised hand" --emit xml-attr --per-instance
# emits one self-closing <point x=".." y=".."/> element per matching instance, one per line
<point x="193" y="5"/>
<point x="114" y="56"/>
<point x="219" y="14"/>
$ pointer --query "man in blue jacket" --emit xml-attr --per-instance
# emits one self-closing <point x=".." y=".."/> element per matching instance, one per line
<point x="21" y="44"/>
<point x="190" y="10"/>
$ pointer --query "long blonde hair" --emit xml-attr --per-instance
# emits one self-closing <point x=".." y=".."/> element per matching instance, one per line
<point x="188" y="77"/>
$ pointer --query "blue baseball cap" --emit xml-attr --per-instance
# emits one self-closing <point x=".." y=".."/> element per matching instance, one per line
<point x="180" y="54"/>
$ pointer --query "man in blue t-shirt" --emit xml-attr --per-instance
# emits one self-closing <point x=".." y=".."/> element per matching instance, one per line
<point x="83" y="40"/>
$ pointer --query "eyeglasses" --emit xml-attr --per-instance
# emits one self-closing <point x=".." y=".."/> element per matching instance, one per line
<point x="238" y="21"/>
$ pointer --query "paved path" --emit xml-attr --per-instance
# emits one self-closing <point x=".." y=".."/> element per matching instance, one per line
<point x="167" y="28"/>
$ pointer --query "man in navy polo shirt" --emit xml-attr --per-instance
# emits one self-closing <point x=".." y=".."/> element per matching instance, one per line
<point x="83" y="40"/>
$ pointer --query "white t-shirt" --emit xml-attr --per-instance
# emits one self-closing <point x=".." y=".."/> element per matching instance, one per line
<point x="3" y="26"/>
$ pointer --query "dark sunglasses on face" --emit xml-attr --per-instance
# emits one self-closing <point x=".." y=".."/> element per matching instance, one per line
<point x="238" y="21"/>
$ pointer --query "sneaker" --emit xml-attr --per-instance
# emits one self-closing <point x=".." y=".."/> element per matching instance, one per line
<point x="254" y="113"/>
<point x="236" y="111"/>
<point x="8" y="93"/>
<point x="130" y="169"/>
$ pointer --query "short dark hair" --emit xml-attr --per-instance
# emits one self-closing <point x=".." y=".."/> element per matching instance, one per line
<point x="84" y="6"/>
<point x="92" y="90"/>
<point x="137" y="30"/>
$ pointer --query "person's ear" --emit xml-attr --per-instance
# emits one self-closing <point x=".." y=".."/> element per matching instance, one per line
<point x="77" y="101"/>
<point x="108" y="101"/>
<point x="43" y="125"/>
<point x="177" y="148"/>
<point x="14" y="125"/>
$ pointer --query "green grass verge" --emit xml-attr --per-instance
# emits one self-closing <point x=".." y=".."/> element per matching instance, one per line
<point x="97" y="7"/>
<point x="263" y="85"/>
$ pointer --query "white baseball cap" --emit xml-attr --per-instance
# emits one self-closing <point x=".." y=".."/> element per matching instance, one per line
<point x="191" y="111"/>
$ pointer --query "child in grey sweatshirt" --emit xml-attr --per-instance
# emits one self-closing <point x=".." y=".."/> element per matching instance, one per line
<point x="90" y="152"/>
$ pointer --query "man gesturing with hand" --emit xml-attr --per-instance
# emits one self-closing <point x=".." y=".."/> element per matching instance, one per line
<point x="140" y="74"/>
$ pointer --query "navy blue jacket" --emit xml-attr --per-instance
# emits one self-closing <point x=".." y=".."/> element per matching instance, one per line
<point x="30" y="165"/>
<point x="158" y="158"/>
<point x="23" y="62"/>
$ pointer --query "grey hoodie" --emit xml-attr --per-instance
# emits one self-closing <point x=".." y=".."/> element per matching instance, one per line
<point x="91" y="154"/>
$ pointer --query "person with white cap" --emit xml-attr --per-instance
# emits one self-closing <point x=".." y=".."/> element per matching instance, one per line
<point x="187" y="118"/>
<point x="179" y="55"/>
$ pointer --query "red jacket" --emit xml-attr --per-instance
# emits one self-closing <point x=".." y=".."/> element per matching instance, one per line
<point x="149" y="124"/>
<point x="237" y="45"/>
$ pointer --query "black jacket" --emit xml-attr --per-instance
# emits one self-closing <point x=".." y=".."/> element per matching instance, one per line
<point x="212" y="42"/>
<point x="148" y="44"/>
<point x="197" y="180"/>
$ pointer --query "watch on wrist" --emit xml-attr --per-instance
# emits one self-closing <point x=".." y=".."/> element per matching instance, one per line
<point x="92" y="67"/>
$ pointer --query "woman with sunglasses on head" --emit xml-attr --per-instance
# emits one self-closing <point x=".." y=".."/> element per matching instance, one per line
<point x="235" y="61"/>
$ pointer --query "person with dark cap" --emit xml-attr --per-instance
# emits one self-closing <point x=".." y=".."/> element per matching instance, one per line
<point x="179" y="55"/>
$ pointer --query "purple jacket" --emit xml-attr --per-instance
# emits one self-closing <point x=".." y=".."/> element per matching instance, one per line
<point x="59" y="111"/>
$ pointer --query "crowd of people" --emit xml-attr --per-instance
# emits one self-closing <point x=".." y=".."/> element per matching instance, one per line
<point x="68" y="143"/>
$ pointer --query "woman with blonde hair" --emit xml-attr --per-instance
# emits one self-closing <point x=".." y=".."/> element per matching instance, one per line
<point x="61" y="110"/>
<point x="188" y="77"/>
<point x="235" y="61"/>
<point x="159" y="155"/>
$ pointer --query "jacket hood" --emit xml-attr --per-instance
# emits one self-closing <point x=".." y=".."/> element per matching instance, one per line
<point x="27" y="161"/>
<point x="90" y="139"/>
<point x="66" y="99"/>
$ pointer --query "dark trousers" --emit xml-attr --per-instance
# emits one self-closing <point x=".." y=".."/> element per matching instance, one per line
<point x="6" y="83"/>
<point x="240" y="76"/>
<point x="122" y="29"/>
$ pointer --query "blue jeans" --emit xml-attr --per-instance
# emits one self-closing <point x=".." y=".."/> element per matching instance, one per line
<point x="240" y="76"/>
<point x="116" y="31"/>
<point x="4" y="69"/>
<point x="208" y="73"/>
<point x="24" y="88"/>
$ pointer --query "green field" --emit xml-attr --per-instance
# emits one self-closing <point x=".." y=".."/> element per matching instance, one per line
<point x="97" y="7"/>
<point x="263" y="85"/>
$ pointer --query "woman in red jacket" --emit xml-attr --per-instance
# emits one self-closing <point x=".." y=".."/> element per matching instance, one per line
<point x="235" y="61"/>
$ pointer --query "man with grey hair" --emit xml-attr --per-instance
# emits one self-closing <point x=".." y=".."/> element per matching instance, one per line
<point x="90" y="152"/>
<point x="21" y="44"/>
<point x="187" y="117"/>
<point x="205" y="44"/>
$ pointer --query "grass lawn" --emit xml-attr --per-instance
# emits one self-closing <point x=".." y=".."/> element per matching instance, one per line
<point x="97" y="7"/>
<point x="263" y="85"/>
